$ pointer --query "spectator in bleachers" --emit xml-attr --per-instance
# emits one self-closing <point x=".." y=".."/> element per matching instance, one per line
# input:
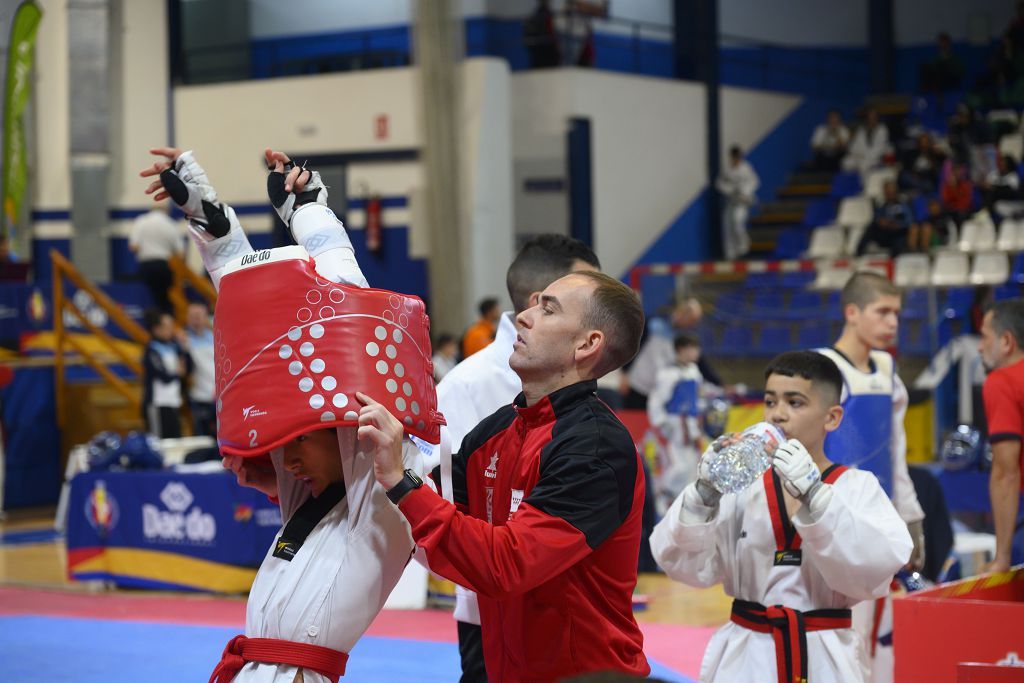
<point x="891" y="224"/>
<point x="933" y="230"/>
<point x="921" y="167"/>
<point x="202" y="390"/>
<point x="1015" y="31"/>
<point x="945" y="72"/>
<point x="1000" y="85"/>
<point x="829" y="142"/>
<point x="446" y="352"/>
<point x="956" y="190"/>
<point x="869" y="146"/>
<point x="1002" y="183"/>
<point x="481" y="333"/>
<point x="965" y="130"/>
<point x="738" y="182"/>
<point x="164" y="365"/>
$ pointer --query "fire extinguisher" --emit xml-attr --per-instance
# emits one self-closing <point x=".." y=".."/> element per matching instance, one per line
<point x="373" y="224"/>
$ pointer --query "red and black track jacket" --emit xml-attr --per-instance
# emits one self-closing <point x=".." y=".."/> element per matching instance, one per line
<point x="546" y="529"/>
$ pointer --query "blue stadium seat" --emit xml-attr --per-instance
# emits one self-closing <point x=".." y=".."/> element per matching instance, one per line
<point x="1007" y="291"/>
<point x="707" y="335"/>
<point x="805" y="302"/>
<point x="767" y="305"/>
<point x="791" y="244"/>
<point x="775" y="339"/>
<point x="913" y="339"/>
<point x="799" y="279"/>
<point x="846" y="185"/>
<point x="915" y="304"/>
<point x="820" y="212"/>
<point x="813" y="335"/>
<point x="735" y="340"/>
<point x="958" y="302"/>
<point x="1018" y="269"/>
<point x="760" y="280"/>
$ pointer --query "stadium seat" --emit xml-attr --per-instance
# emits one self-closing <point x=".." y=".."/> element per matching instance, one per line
<point x="819" y="212"/>
<point x="977" y="234"/>
<point x="766" y="305"/>
<point x="853" y="236"/>
<point x="827" y="242"/>
<point x="875" y="183"/>
<point x="951" y="269"/>
<point x="872" y="264"/>
<point x="1007" y="291"/>
<point x="990" y="268"/>
<point x="799" y="279"/>
<point x="912" y="270"/>
<point x="790" y="244"/>
<point x="1011" y="235"/>
<point x="759" y="280"/>
<point x="855" y="212"/>
<point x="831" y="276"/>
<point x="735" y="340"/>
<point x="958" y="302"/>
<point x="813" y="335"/>
<point x="913" y="338"/>
<point x="845" y="185"/>
<point x="1012" y="144"/>
<point x="775" y="339"/>
<point x="915" y="304"/>
<point x="1018" y="269"/>
<point x="805" y="302"/>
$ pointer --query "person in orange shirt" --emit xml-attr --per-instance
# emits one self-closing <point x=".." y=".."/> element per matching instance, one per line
<point x="481" y="333"/>
<point x="957" y="191"/>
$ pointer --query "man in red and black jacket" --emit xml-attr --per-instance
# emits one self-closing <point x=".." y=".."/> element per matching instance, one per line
<point x="548" y="495"/>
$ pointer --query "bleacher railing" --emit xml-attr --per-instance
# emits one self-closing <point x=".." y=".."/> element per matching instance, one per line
<point x="111" y="351"/>
<point x="185" y="278"/>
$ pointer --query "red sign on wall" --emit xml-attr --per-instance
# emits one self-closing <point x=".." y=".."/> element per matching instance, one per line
<point x="380" y="126"/>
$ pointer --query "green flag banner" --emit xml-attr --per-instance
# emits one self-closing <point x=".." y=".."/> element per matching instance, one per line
<point x="18" y="88"/>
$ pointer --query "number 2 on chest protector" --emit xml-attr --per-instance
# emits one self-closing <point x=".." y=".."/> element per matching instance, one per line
<point x="252" y="438"/>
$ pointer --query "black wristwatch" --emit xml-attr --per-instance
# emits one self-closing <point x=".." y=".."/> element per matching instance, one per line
<point x="410" y="482"/>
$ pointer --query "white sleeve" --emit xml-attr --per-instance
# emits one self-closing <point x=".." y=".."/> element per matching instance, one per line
<point x="858" y="542"/>
<point x="664" y="383"/>
<point x="688" y="552"/>
<point x="319" y="231"/>
<point x="904" y="497"/>
<point x="290" y="492"/>
<point x="217" y="253"/>
<point x="818" y="139"/>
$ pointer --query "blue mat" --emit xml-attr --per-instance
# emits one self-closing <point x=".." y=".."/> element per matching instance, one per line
<point x="45" y="649"/>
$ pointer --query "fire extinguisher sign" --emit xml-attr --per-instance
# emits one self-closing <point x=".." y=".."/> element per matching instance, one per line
<point x="380" y="126"/>
<point x="373" y="224"/>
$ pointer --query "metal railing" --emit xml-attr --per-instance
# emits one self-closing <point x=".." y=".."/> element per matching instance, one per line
<point x="112" y="351"/>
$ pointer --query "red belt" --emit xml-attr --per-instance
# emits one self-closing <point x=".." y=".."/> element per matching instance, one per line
<point x="240" y="650"/>
<point x="789" y="630"/>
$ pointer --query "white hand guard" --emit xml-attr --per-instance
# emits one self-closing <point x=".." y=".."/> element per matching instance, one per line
<point x="796" y="467"/>
<point x="190" y="189"/>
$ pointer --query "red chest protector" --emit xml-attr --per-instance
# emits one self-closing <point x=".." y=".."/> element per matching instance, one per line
<point x="292" y="349"/>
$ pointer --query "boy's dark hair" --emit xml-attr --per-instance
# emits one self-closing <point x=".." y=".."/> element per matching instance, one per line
<point x="152" y="317"/>
<point x="541" y="261"/>
<point x="818" y="369"/>
<point x="683" y="341"/>
<point x="735" y="152"/>
<point x="444" y="338"/>
<point x="1008" y="316"/>
<point x="864" y="288"/>
<point x="487" y="305"/>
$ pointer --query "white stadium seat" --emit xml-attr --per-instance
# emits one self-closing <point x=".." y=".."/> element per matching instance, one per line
<point x="831" y="276"/>
<point x="912" y="270"/>
<point x="991" y="268"/>
<point x="950" y="269"/>
<point x="853" y="238"/>
<point x="977" y="234"/>
<point x="1011" y="235"/>
<point x="1012" y="144"/>
<point x="828" y="241"/>
<point x="855" y="212"/>
<point x="874" y="184"/>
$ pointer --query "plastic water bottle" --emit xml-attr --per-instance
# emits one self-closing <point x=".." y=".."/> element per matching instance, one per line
<point x="736" y="466"/>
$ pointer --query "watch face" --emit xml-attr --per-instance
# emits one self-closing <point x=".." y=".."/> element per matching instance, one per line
<point x="414" y="478"/>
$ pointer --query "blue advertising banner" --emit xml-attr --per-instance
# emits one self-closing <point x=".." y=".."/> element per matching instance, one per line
<point x="168" y="530"/>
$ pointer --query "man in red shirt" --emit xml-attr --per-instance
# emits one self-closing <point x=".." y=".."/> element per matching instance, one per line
<point x="1002" y="350"/>
<point x="548" y="495"/>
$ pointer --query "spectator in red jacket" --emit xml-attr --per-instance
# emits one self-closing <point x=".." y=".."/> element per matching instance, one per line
<point x="957" y="190"/>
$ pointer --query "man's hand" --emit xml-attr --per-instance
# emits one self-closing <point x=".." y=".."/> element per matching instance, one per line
<point x="800" y="476"/>
<point x="253" y="472"/>
<point x="386" y="432"/>
<point x="183" y="180"/>
<point x="916" y="530"/>
<point x="290" y="187"/>
<point x="998" y="565"/>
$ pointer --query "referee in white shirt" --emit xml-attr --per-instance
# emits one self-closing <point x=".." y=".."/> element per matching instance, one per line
<point x="155" y="237"/>
<point x="484" y="382"/>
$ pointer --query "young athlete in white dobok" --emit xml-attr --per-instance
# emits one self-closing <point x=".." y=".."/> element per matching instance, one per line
<point x="343" y="546"/>
<point x="796" y="550"/>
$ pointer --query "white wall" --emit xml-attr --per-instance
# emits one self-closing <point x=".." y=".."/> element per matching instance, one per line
<point x="52" y="187"/>
<point x="648" y="148"/>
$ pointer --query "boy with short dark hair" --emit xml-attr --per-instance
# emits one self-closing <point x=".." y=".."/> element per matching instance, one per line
<point x="796" y="550"/>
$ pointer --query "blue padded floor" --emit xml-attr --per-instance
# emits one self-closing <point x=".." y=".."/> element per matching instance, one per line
<point x="36" y="649"/>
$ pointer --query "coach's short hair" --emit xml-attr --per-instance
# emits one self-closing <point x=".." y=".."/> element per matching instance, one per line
<point x="819" y="369"/>
<point x="1008" y="316"/>
<point x="541" y="261"/>
<point x="614" y="309"/>
<point x="865" y="287"/>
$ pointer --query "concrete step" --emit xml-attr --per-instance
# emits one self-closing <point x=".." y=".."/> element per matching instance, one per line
<point x="809" y="190"/>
